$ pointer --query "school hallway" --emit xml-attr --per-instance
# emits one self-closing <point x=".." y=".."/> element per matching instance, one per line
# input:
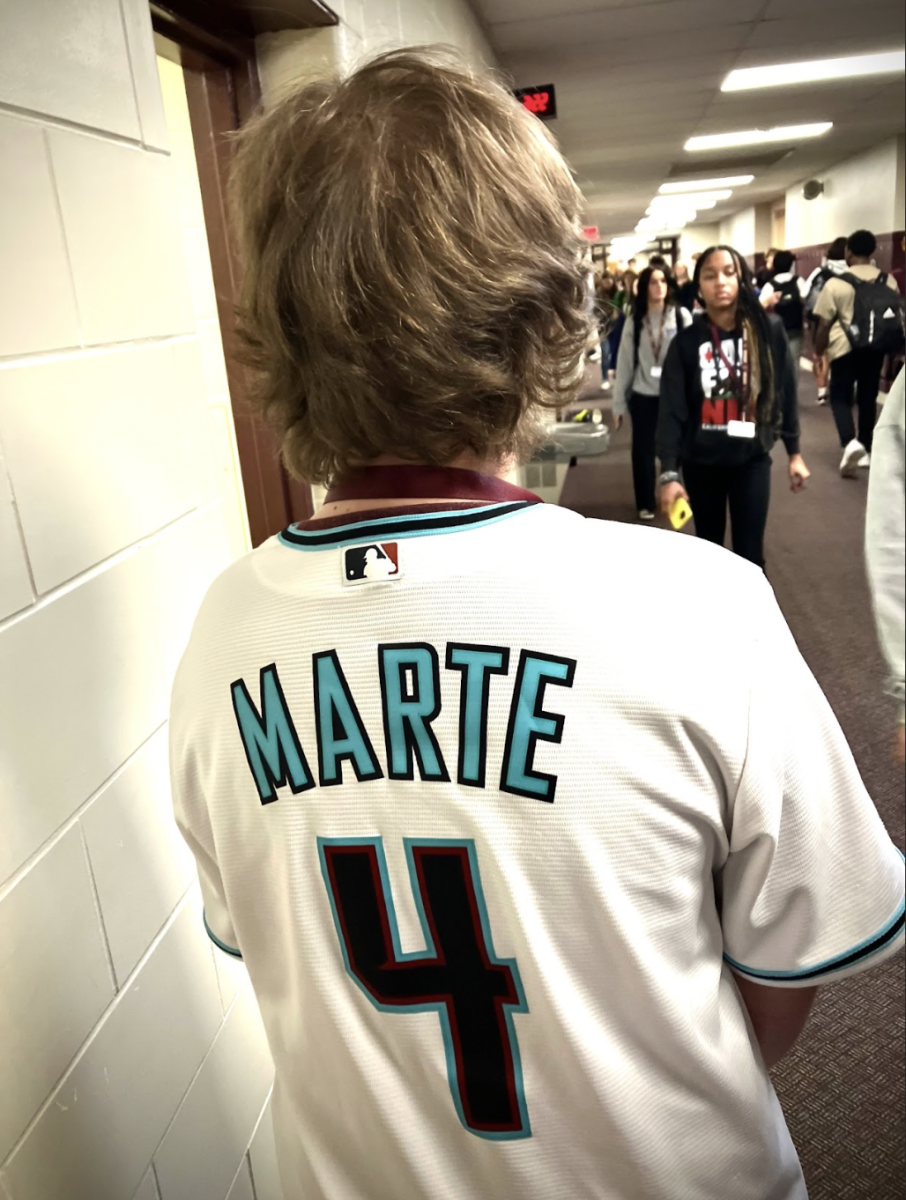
<point x="842" y="1085"/>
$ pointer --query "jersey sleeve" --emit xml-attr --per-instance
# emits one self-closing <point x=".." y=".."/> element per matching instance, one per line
<point x="812" y="888"/>
<point x="192" y="818"/>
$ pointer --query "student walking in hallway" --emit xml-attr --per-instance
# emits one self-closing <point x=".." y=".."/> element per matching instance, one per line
<point x="417" y="953"/>
<point x="834" y="263"/>
<point x="653" y="324"/>
<point x="784" y="295"/>
<point x="728" y="392"/>
<point x="856" y="347"/>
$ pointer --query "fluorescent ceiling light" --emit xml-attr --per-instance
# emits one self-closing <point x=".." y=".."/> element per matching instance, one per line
<point x="657" y="213"/>
<point x="695" y="199"/>
<point x="755" y="137"/>
<point x="786" y="74"/>
<point x="668" y="221"/>
<point x="693" y="185"/>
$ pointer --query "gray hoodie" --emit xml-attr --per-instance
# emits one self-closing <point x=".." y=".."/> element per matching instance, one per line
<point x="640" y="379"/>
<point x="885" y="531"/>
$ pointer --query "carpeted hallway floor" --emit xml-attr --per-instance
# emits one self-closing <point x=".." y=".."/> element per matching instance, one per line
<point x="842" y="1088"/>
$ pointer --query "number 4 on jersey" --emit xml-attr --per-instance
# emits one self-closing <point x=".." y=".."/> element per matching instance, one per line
<point x="458" y="976"/>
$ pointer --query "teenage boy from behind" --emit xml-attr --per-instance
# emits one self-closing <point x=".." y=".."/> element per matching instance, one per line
<point x="855" y="371"/>
<point x="525" y="916"/>
<point x="785" y="294"/>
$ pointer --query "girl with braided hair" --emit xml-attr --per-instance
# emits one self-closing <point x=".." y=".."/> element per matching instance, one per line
<point x="728" y="393"/>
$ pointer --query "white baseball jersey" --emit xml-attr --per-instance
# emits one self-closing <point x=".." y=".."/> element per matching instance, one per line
<point x="490" y="799"/>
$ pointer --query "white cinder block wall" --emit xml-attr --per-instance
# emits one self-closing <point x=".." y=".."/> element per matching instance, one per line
<point x="132" y="1061"/>
<point x="368" y="27"/>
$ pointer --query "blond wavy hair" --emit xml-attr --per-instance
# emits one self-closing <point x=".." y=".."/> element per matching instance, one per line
<point x="414" y="277"/>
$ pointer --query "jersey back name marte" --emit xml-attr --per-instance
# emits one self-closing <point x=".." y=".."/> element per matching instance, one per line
<point x="408" y="675"/>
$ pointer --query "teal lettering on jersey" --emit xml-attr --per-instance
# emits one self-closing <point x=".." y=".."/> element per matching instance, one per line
<point x="341" y="733"/>
<point x="409" y="680"/>
<point x="269" y="738"/>
<point x="410" y="698"/>
<point x="529" y="724"/>
<point x="477" y="664"/>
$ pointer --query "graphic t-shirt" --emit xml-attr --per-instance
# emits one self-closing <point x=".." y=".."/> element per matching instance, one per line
<point x="703" y="392"/>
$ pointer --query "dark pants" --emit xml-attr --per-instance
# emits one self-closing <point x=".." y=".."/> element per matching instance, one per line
<point x="747" y="490"/>
<point x="858" y="372"/>
<point x="643" y="410"/>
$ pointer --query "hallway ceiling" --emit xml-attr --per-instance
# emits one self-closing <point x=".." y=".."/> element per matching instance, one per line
<point x="636" y="78"/>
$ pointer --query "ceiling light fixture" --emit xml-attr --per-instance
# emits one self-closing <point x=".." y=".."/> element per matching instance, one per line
<point x="696" y="199"/>
<point x="692" y="185"/>
<point x="686" y="206"/>
<point x="787" y="74"/>
<point x="667" y="221"/>
<point x="657" y="212"/>
<point x="755" y="137"/>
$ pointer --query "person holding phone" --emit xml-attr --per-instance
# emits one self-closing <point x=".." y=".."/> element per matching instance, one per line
<point x="728" y="393"/>
<point x="652" y="325"/>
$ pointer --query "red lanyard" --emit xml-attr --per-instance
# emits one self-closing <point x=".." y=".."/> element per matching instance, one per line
<point x="656" y="346"/>
<point x="739" y="379"/>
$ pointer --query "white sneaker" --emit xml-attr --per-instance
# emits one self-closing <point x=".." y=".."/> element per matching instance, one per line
<point x="646" y="514"/>
<point x="865" y="460"/>
<point x="605" y="386"/>
<point x="850" y="461"/>
<point x="822" y="395"/>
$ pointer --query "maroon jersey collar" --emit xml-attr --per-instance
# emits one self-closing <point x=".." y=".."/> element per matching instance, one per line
<point x="424" y="483"/>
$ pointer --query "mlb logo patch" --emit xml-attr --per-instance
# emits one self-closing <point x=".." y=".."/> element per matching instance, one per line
<point x="374" y="563"/>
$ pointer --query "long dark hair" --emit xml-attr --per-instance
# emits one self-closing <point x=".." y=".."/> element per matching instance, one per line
<point x="640" y="303"/>
<point x="753" y="323"/>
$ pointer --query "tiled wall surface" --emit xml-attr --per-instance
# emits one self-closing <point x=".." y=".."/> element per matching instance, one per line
<point x="132" y="1058"/>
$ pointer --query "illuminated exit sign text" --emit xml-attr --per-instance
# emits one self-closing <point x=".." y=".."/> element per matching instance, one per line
<point x="542" y="101"/>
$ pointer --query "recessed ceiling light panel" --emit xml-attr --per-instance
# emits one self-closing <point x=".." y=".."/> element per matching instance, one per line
<point x="695" y="199"/>
<point x="755" y="137"/>
<point x="789" y="74"/>
<point x="705" y="185"/>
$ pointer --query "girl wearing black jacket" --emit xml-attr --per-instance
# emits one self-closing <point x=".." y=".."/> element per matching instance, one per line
<point x="727" y="393"/>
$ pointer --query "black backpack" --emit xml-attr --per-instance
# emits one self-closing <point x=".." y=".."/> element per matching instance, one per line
<point x="790" y="308"/>
<point x="879" y="315"/>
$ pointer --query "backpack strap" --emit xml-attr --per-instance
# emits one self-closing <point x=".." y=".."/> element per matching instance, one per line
<point x="853" y="280"/>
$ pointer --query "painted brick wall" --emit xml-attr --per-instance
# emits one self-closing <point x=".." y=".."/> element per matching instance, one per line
<point x="132" y="1061"/>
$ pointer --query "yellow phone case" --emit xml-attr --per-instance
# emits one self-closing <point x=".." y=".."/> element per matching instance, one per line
<point x="680" y="512"/>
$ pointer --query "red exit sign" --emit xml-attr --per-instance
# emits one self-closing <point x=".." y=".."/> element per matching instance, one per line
<point x="542" y="101"/>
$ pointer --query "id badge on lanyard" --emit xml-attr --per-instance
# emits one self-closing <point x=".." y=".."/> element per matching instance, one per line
<point x="656" y="346"/>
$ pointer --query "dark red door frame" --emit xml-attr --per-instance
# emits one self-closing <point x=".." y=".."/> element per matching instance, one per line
<point x="223" y="92"/>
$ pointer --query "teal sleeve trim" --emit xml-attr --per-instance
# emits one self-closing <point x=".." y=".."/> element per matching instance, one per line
<point x="872" y="946"/>
<point x="216" y="940"/>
